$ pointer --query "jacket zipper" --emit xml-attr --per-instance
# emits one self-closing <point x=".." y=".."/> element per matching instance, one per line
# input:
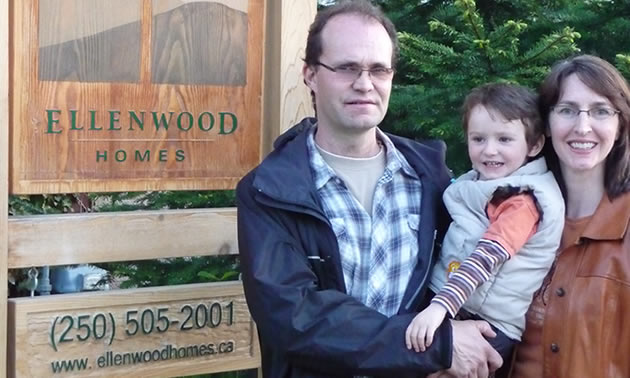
<point x="426" y="274"/>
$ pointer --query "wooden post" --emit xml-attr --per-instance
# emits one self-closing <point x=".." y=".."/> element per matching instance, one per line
<point x="4" y="177"/>
<point x="287" y="99"/>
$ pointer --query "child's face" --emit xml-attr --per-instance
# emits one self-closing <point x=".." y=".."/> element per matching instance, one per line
<point x="497" y="147"/>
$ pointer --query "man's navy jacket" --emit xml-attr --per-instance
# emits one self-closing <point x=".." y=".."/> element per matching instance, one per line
<point x="308" y="326"/>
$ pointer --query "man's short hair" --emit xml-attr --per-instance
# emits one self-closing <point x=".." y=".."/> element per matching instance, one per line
<point x="314" y="43"/>
<point x="510" y="101"/>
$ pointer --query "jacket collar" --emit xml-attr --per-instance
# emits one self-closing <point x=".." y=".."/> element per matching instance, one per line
<point x="611" y="218"/>
<point x="276" y="177"/>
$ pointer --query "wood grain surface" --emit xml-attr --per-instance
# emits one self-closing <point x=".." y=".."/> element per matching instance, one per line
<point x="121" y="236"/>
<point x="183" y="53"/>
<point x="287" y="99"/>
<point x="165" y="331"/>
<point x="4" y="175"/>
<point x="102" y="45"/>
<point x="86" y="131"/>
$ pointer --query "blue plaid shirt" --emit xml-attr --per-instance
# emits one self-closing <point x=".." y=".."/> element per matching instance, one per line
<point x="378" y="253"/>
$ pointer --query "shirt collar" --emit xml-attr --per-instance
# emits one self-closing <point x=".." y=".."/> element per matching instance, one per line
<point x="395" y="160"/>
<point x="323" y="173"/>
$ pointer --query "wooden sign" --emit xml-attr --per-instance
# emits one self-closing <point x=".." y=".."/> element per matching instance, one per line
<point x="165" y="331"/>
<point x="122" y="95"/>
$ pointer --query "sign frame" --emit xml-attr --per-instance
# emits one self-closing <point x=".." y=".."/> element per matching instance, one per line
<point x="80" y="318"/>
<point x="103" y="136"/>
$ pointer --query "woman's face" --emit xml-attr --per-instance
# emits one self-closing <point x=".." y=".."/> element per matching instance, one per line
<point x="582" y="142"/>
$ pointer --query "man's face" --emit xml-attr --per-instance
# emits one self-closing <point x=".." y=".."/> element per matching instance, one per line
<point x="347" y="106"/>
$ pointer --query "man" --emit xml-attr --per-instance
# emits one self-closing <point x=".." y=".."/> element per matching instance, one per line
<point x="336" y="226"/>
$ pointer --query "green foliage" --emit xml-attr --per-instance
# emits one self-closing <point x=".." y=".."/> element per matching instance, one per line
<point x="603" y="24"/>
<point x="176" y="271"/>
<point x="449" y="47"/>
<point x="157" y="200"/>
<point x="40" y="204"/>
<point x="460" y="51"/>
<point x="623" y="64"/>
<point x="125" y="201"/>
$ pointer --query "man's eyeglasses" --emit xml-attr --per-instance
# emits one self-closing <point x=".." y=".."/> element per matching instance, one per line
<point x="599" y="113"/>
<point x="351" y="72"/>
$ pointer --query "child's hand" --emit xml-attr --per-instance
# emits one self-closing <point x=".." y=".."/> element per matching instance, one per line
<point x="420" y="332"/>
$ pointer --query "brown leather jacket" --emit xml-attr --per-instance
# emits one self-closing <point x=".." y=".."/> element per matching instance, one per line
<point x="586" y="326"/>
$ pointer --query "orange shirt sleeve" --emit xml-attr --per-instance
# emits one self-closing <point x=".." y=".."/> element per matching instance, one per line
<point x="513" y="221"/>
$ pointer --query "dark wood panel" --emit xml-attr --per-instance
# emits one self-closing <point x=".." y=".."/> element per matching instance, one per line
<point x="200" y="43"/>
<point x="112" y="55"/>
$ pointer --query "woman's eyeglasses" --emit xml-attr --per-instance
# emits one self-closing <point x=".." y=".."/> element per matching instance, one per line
<point x="598" y="113"/>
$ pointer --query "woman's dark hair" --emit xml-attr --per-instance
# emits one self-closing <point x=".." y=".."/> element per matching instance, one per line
<point x="604" y="79"/>
<point x="314" y="43"/>
<point x="512" y="102"/>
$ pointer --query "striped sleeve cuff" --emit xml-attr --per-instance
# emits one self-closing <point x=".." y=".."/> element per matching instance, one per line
<point x="474" y="271"/>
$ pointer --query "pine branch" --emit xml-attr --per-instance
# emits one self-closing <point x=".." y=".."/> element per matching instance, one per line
<point x="567" y="36"/>
<point x="469" y="13"/>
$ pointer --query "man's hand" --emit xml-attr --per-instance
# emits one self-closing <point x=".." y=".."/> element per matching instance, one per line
<point x="419" y="334"/>
<point x="472" y="355"/>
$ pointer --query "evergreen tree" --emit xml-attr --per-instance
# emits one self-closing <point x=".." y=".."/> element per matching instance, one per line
<point x="461" y="51"/>
<point x="450" y="46"/>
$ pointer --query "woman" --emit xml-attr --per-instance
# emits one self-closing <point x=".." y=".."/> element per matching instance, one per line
<point x="579" y="322"/>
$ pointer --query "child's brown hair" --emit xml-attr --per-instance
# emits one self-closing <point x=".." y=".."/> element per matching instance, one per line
<point x="512" y="102"/>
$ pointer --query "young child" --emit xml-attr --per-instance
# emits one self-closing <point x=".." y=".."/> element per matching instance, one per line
<point x="508" y="216"/>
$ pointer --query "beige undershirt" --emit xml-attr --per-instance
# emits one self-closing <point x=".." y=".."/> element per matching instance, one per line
<point x="359" y="174"/>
